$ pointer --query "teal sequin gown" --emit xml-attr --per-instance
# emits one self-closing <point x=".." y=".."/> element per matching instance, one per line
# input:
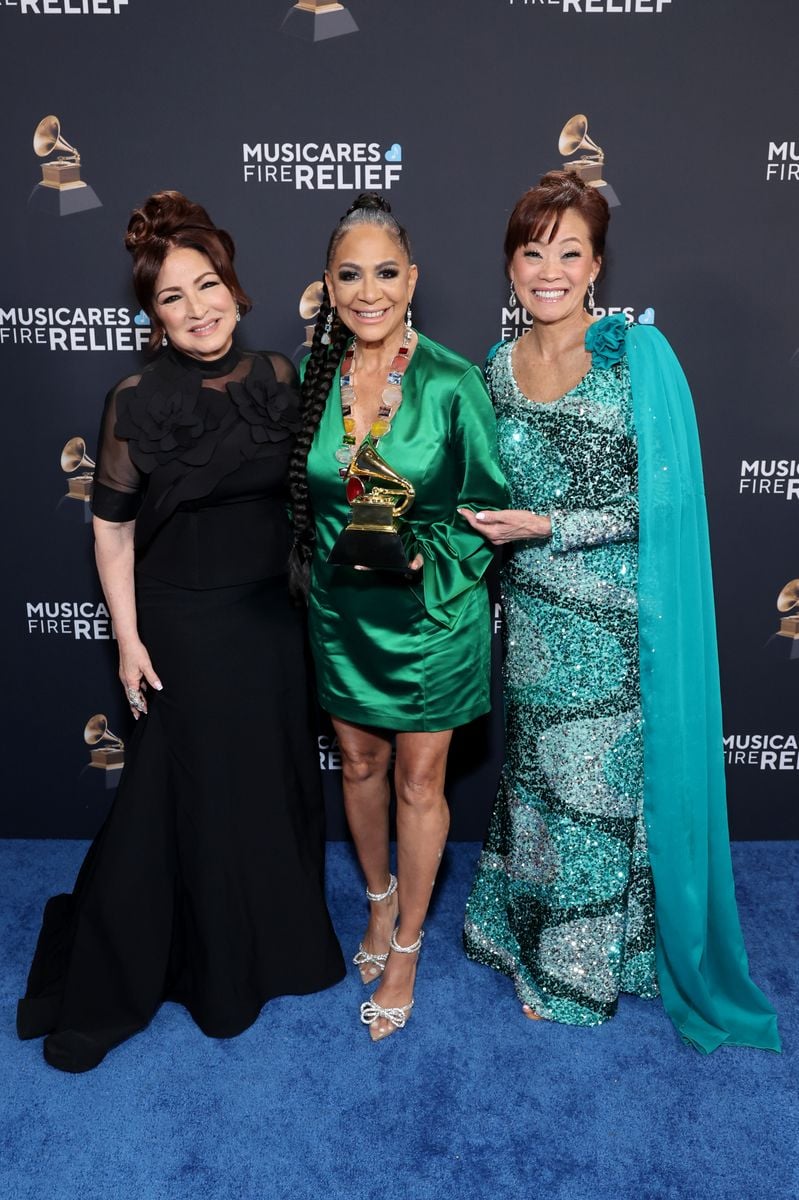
<point x="563" y="899"/>
<point x="599" y="876"/>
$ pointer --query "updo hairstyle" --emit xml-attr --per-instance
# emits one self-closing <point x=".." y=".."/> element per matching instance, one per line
<point x="323" y="361"/>
<point x="166" y="221"/>
<point x="557" y="192"/>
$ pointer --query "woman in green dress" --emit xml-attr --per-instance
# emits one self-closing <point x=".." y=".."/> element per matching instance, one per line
<point x="398" y="655"/>
<point x="607" y="866"/>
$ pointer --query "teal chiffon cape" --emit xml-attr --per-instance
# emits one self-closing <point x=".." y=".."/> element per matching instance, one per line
<point x="702" y="965"/>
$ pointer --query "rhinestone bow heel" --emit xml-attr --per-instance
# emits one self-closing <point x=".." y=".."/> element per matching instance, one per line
<point x="371" y="1011"/>
<point x="372" y="966"/>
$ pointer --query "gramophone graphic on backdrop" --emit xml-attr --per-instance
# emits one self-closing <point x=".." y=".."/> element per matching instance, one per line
<point x="73" y="457"/>
<point x="317" y="20"/>
<point x="108" y="757"/>
<point x="310" y="303"/>
<point x="61" y="192"/>
<point x="786" y="639"/>
<point x="574" y="137"/>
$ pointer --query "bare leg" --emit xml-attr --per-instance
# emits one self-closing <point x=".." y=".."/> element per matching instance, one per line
<point x="365" y="758"/>
<point x="422" y="827"/>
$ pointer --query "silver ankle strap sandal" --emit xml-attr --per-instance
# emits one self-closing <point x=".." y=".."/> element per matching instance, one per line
<point x="363" y="957"/>
<point x="371" y="1011"/>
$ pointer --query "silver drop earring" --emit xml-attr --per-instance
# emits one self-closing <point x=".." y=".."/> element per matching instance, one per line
<point x="409" y="318"/>
<point x="325" y="339"/>
<point x="591" y="295"/>
<point x="512" y="301"/>
<point x="164" y="340"/>
<point x="238" y="314"/>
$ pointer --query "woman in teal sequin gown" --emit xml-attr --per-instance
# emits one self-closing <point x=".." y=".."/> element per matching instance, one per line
<point x="599" y="876"/>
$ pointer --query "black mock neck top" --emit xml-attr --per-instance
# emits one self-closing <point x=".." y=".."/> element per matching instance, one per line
<point x="196" y="453"/>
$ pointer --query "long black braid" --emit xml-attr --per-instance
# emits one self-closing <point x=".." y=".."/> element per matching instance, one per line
<point x="319" y="371"/>
<point x="371" y="209"/>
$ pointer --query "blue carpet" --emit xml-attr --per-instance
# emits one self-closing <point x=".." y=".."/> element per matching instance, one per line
<point x="470" y="1101"/>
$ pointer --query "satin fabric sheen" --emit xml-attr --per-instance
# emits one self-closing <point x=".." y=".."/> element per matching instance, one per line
<point x="390" y="653"/>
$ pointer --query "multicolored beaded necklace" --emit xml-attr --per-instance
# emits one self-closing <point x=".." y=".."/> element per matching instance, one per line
<point x="390" y="401"/>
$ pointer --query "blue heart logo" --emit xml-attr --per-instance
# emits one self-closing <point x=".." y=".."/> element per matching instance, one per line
<point x="394" y="153"/>
<point x="647" y="317"/>
<point x="141" y="318"/>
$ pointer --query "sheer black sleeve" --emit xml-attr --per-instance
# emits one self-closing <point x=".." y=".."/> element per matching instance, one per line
<point x="285" y="371"/>
<point x="118" y="484"/>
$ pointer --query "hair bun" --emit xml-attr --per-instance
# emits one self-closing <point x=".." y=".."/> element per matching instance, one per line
<point x="161" y="216"/>
<point x="371" y="200"/>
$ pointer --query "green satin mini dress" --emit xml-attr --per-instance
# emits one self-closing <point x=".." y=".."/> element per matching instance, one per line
<point x="400" y="655"/>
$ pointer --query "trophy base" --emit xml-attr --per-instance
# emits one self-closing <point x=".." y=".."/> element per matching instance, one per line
<point x="63" y="202"/>
<point x="784" y="646"/>
<point x="317" y="26"/>
<point x="80" y="487"/>
<point x="604" y="189"/>
<point x="364" y="548"/>
<point x="108" y="759"/>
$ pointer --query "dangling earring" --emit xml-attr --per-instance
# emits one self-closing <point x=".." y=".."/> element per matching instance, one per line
<point x="512" y="301"/>
<point x="238" y="313"/>
<point x="325" y="339"/>
<point x="164" y="340"/>
<point x="409" y="319"/>
<point x="591" y="295"/>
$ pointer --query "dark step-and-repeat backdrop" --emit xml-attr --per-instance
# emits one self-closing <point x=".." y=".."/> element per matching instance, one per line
<point x="273" y="116"/>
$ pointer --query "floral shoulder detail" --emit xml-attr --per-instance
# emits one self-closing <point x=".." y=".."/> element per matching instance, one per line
<point x="269" y="407"/>
<point x="605" y="339"/>
<point x="170" y="417"/>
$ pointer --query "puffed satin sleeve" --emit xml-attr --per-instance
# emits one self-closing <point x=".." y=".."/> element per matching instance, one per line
<point x="455" y="556"/>
<point x="118" y="484"/>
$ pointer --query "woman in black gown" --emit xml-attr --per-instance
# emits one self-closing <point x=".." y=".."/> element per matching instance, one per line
<point x="205" y="884"/>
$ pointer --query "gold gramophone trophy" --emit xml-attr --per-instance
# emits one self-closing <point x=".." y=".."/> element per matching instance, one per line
<point x="574" y="137"/>
<point x="317" y="20"/>
<point x="106" y="758"/>
<point x="377" y="496"/>
<point x="788" y="602"/>
<point x="74" y="456"/>
<point x="61" y="192"/>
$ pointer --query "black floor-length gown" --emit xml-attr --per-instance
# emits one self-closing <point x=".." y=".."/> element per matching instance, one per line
<point x="205" y="884"/>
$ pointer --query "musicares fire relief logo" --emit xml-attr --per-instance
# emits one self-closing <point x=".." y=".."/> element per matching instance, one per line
<point x="766" y="751"/>
<point x="329" y="752"/>
<point x="323" y="166"/>
<point x="596" y="6"/>
<point x="782" y="164"/>
<point x="66" y="8"/>
<point x="83" y="620"/>
<point x="66" y="328"/>
<point x="770" y="477"/>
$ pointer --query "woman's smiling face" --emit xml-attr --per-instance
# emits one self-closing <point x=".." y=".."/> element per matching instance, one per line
<point x="370" y="283"/>
<point x="195" y="307"/>
<point x="551" y="277"/>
